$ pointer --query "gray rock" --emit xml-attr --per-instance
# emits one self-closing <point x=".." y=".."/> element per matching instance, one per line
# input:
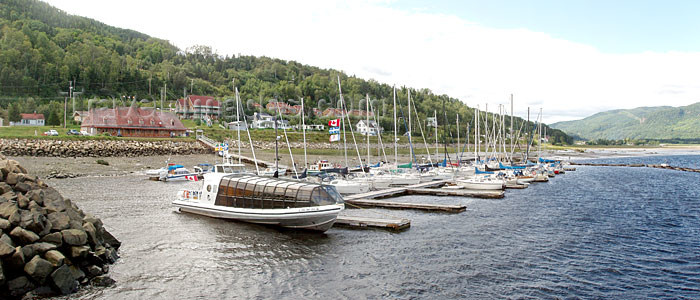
<point x="53" y="201"/>
<point x="111" y="240"/>
<point x="15" y="261"/>
<point x="19" y="286"/>
<point x="79" y="251"/>
<point x="95" y="221"/>
<point x="92" y="234"/>
<point x="93" y="270"/>
<point x="4" y="224"/>
<point x="59" y="221"/>
<point x="9" y="196"/>
<point x="111" y="255"/>
<point x="103" y="281"/>
<point x="23" y="236"/>
<point x="7" y="209"/>
<point x="28" y="252"/>
<point x="6" y="249"/>
<point x="37" y="196"/>
<point x="6" y="238"/>
<point x="55" y="257"/>
<point x="75" y="237"/>
<point x="55" y="238"/>
<point x="15" y="218"/>
<point x="22" y="187"/>
<point x="76" y="225"/>
<point x="4" y="188"/>
<point x="39" y="293"/>
<point x="12" y="178"/>
<point x="22" y="201"/>
<point x="62" y="279"/>
<point x="34" y="221"/>
<point x="78" y="274"/>
<point x="42" y="247"/>
<point x="38" y="268"/>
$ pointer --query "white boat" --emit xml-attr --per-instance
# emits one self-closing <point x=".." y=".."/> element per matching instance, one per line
<point x="271" y="172"/>
<point x="481" y="183"/>
<point x="264" y="200"/>
<point x="176" y="173"/>
<point x="349" y="187"/>
<point x="393" y="180"/>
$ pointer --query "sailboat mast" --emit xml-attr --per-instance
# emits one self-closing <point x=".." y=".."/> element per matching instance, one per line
<point x="303" y="129"/>
<point x="367" y="128"/>
<point x="511" y="129"/>
<point x="238" y="125"/>
<point x="342" y="120"/>
<point x="396" y="155"/>
<point x="409" y="123"/>
<point x="437" y="145"/>
<point x="457" y="136"/>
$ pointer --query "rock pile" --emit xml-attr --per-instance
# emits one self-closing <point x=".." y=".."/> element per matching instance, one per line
<point x="98" y="148"/>
<point x="47" y="244"/>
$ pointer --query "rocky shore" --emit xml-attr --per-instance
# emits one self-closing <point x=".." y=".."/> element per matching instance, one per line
<point x="98" y="148"/>
<point x="48" y="246"/>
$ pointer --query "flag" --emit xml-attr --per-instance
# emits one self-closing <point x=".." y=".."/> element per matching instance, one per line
<point x="334" y="130"/>
<point x="335" y="138"/>
<point x="192" y="177"/>
<point x="334" y="123"/>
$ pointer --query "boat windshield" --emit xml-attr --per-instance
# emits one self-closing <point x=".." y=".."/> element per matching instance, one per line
<point x="333" y="193"/>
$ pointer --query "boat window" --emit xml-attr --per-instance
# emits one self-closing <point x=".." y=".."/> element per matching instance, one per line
<point x="219" y="169"/>
<point x="337" y="198"/>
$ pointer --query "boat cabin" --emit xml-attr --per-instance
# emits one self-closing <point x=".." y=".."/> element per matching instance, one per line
<point x="245" y="191"/>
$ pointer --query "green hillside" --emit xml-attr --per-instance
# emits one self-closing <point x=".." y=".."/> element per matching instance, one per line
<point x="656" y="123"/>
<point x="43" y="48"/>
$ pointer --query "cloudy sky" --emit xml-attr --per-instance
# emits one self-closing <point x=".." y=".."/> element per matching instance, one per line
<point x="571" y="58"/>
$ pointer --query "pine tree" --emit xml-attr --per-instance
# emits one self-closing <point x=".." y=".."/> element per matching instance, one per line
<point x="13" y="112"/>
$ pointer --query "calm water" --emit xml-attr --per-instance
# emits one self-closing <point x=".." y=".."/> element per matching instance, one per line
<point x="599" y="232"/>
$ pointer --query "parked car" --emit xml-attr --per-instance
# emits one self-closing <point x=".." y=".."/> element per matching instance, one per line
<point x="72" y="132"/>
<point x="85" y="133"/>
<point x="51" y="132"/>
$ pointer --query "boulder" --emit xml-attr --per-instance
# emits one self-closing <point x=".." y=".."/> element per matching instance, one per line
<point x="55" y="238"/>
<point x="79" y="251"/>
<point x="36" y="195"/>
<point x="38" y="268"/>
<point x="6" y="238"/>
<point x="4" y="188"/>
<point x="7" y="208"/>
<point x="103" y="281"/>
<point x="28" y="252"/>
<point x="53" y="201"/>
<point x="75" y="237"/>
<point x="59" y="221"/>
<point x="55" y="257"/>
<point x="15" y="261"/>
<point x="4" y="224"/>
<point x="93" y="270"/>
<point x="42" y="247"/>
<point x="111" y="240"/>
<point x="12" y="178"/>
<point x="6" y="249"/>
<point x="34" y="221"/>
<point x="22" y="187"/>
<point x="19" y="286"/>
<point x="23" y="236"/>
<point x="91" y="234"/>
<point x="78" y="274"/>
<point x="8" y="196"/>
<point x="62" y="279"/>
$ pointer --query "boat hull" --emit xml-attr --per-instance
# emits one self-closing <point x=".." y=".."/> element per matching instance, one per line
<point x="319" y="218"/>
<point x="481" y="185"/>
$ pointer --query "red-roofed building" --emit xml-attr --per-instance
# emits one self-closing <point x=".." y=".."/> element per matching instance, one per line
<point x="132" y="121"/>
<point x="198" y="107"/>
<point x="31" y="120"/>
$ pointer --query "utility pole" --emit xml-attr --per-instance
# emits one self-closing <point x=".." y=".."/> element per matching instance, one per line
<point x="191" y="86"/>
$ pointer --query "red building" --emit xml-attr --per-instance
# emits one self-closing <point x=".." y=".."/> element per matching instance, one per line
<point x="133" y="122"/>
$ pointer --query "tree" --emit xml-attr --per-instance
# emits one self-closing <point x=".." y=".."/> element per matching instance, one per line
<point x="53" y="119"/>
<point x="13" y="112"/>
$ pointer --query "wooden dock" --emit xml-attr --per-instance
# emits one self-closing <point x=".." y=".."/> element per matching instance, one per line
<point x="517" y="186"/>
<point x="407" y="205"/>
<point x="457" y="192"/>
<point x="367" y="222"/>
<point x="394" y="192"/>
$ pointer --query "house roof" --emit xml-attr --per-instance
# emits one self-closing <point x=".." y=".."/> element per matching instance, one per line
<point x="32" y="116"/>
<point x="141" y="118"/>
<point x="197" y="100"/>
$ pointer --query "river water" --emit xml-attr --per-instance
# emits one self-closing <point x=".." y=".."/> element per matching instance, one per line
<point x="598" y="232"/>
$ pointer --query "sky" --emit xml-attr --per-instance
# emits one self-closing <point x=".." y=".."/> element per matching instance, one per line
<point x="572" y="58"/>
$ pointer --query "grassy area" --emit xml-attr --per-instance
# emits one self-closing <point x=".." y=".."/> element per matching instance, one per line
<point x="35" y="132"/>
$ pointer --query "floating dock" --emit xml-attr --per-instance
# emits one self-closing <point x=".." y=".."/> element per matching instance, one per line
<point x="367" y="222"/>
<point x="489" y="194"/>
<point x="407" y="205"/>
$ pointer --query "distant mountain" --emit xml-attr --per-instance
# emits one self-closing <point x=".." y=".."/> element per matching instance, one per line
<point x="658" y="123"/>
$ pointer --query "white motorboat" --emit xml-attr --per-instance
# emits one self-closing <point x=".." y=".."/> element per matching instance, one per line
<point x="394" y="180"/>
<point x="176" y="173"/>
<point x="264" y="200"/>
<point x="482" y="183"/>
<point x="349" y="187"/>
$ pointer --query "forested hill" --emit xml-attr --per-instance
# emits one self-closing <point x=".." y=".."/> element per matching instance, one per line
<point x="663" y="123"/>
<point x="43" y="48"/>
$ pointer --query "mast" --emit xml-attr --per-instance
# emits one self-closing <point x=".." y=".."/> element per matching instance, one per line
<point x="367" y="124"/>
<point x="539" y="141"/>
<point x="342" y="120"/>
<point x="277" y="167"/>
<point x="238" y="124"/>
<point x="252" y="149"/>
<point x="529" y="133"/>
<point x="476" y="134"/>
<point x="457" y="137"/>
<point x="396" y="155"/>
<point x="409" y="123"/>
<point x="436" y="134"/>
<point x="303" y="129"/>
<point x="511" y="129"/>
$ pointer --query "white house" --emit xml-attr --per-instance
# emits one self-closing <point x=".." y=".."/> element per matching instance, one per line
<point x="312" y="127"/>
<point x="31" y="120"/>
<point x="370" y="128"/>
<point x="237" y="125"/>
<point x="262" y="120"/>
